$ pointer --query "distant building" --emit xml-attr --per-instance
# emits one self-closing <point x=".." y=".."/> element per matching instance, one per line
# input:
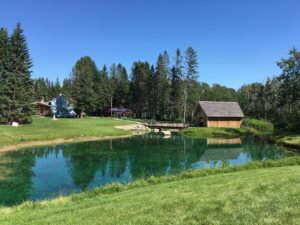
<point x="218" y="114"/>
<point x="119" y="112"/>
<point x="42" y="108"/>
<point x="60" y="107"/>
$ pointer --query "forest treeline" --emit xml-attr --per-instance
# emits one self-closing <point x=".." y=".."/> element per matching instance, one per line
<point x="167" y="90"/>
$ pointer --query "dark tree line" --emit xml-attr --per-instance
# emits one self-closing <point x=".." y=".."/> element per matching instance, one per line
<point x="159" y="91"/>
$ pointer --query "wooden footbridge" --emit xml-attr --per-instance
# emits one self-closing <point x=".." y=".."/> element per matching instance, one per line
<point x="166" y="125"/>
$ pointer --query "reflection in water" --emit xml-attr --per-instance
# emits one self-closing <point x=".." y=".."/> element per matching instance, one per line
<point x="49" y="171"/>
<point x="218" y="141"/>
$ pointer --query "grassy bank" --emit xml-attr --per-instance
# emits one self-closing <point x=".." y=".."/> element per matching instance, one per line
<point x="214" y="132"/>
<point x="254" y="194"/>
<point x="258" y="127"/>
<point x="291" y="141"/>
<point x="45" y="129"/>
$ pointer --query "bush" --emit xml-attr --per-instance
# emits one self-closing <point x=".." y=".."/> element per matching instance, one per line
<point x="259" y="125"/>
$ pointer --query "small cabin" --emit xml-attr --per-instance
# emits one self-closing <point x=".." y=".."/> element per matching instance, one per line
<point x="218" y="114"/>
<point x="119" y="112"/>
<point x="42" y="108"/>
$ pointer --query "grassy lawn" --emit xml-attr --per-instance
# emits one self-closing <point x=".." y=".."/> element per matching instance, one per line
<point x="214" y="132"/>
<point x="253" y="196"/>
<point x="44" y="129"/>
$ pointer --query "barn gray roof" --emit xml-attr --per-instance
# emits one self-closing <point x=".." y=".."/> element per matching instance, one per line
<point x="221" y="109"/>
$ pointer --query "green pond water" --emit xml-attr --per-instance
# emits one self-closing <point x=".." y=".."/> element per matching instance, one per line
<point x="49" y="171"/>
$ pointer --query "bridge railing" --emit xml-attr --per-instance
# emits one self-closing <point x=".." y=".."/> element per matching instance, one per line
<point x="166" y="124"/>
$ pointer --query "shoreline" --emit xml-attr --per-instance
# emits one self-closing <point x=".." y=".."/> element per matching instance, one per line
<point x="19" y="146"/>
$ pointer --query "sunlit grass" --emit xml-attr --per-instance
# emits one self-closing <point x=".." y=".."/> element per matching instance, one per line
<point x="216" y="132"/>
<point x="252" y="196"/>
<point x="43" y="129"/>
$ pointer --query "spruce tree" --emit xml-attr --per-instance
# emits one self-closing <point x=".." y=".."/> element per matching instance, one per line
<point x="177" y="94"/>
<point x="106" y="91"/>
<point x="152" y="93"/>
<point x="191" y="81"/>
<point x="163" y="88"/>
<point x="21" y="84"/>
<point x="122" y="87"/>
<point x="83" y="79"/>
<point x="5" y="101"/>
<point x="139" y="97"/>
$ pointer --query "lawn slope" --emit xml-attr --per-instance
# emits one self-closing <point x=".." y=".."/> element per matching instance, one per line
<point x="214" y="132"/>
<point x="257" y="196"/>
<point x="46" y="129"/>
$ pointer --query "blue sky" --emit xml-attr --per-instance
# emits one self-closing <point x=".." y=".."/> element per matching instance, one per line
<point x="237" y="41"/>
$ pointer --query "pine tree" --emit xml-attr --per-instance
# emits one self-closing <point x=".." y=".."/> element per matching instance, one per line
<point x="139" y="98"/>
<point x="177" y="94"/>
<point x="163" y="88"/>
<point x="191" y="80"/>
<point x="106" y="91"/>
<point x="21" y="85"/>
<point x="152" y="93"/>
<point x="122" y="88"/>
<point x="113" y="81"/>
<point x="83" y="78"/>
<point x="5" y="101"/>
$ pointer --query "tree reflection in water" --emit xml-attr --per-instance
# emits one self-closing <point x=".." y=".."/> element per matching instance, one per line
<point x="46" y="171"/>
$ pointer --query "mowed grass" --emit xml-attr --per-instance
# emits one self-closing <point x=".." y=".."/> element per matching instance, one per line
<point x="256" y="196"/>
<point x="214" y="132"/>
<point x="44" y="129"/>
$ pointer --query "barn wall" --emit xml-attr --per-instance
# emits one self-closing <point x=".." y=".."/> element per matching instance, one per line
<point x="224" y="122"/>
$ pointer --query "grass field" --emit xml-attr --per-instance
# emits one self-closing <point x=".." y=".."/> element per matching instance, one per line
<point x="44" y="129"/>
<point x="214" y="132"/>
<point x="252" y="196"/>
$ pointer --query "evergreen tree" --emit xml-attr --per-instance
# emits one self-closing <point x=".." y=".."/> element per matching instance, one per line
<point x="113" y="81"/>
<point x="177" y="94"/>
<point x="5" y="101"/>
<point x="163" y="88"/>
<point x="106" y="92"/>
<point x="139" y="98"/>
<point x="122" y="88"/>
<point x="152" y="93"/>
<point x="83" y="78"/>
<point x="191" y="80"/>
<point x="67" y="89"/>
<point x="21" y="85"/>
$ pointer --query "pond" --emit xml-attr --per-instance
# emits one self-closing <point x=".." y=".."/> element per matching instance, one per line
<point x="49" y="171"/>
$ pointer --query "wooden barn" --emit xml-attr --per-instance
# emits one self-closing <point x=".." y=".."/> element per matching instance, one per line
<point x="218" y="114"/>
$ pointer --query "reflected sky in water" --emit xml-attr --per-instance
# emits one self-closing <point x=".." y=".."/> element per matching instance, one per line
<point x="46" y="172"/>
